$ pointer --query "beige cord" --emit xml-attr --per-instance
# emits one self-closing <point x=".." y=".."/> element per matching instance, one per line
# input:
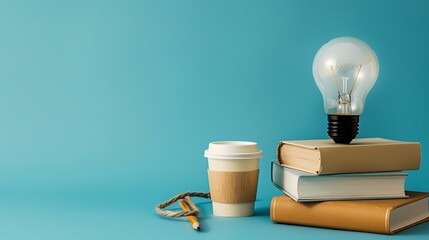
<point x="186" y="196"/>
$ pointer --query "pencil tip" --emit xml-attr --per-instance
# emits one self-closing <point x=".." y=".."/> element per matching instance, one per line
<point x="198" y="229"/>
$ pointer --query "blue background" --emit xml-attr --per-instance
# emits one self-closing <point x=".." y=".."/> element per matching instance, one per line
<point x="107" y="106"/>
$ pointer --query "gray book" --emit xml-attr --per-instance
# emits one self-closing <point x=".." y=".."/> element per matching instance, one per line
<point x="306" y="187"/>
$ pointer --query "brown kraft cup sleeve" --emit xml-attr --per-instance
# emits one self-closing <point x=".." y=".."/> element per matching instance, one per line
<point x="233" y="187"/>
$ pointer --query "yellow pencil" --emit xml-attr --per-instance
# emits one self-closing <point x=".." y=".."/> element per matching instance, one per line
<point x="192" y="219"/>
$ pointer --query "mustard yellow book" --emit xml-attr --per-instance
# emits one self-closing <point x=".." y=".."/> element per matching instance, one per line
<point x="387" y="216"/>
<point x="361" y="155"/>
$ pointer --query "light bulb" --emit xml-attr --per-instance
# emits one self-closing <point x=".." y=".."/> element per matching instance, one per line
<point x="344" y="69"/>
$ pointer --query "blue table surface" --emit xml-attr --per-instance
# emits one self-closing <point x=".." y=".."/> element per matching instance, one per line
<point x="129" y="214"/>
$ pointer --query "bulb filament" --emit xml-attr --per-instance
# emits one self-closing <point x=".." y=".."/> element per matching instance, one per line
<point x="345" y="71"/>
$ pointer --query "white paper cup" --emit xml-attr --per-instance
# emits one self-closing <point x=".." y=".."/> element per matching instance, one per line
<point x="233" y="177"/>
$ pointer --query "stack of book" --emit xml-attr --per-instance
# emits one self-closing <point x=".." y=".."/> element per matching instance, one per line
<point x="358" y="186"/>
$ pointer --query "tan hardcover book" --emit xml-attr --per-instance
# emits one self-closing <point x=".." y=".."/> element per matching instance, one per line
<point x="386" y="216"/>
<point x="362" y="155"/>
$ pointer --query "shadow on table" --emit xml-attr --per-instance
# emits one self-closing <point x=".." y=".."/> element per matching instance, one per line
<point x="264" y="211"/>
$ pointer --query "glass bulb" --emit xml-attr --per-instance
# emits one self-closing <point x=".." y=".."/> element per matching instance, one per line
<point x="344" y="69"/>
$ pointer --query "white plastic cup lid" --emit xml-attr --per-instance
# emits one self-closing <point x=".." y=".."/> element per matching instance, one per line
<point x="233" y="150"/>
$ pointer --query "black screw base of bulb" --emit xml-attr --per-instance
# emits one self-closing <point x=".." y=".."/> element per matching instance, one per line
<point x="343" y="128"/>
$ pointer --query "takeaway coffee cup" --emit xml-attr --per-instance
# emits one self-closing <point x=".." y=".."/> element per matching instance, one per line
<point x="233" y="177"/>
